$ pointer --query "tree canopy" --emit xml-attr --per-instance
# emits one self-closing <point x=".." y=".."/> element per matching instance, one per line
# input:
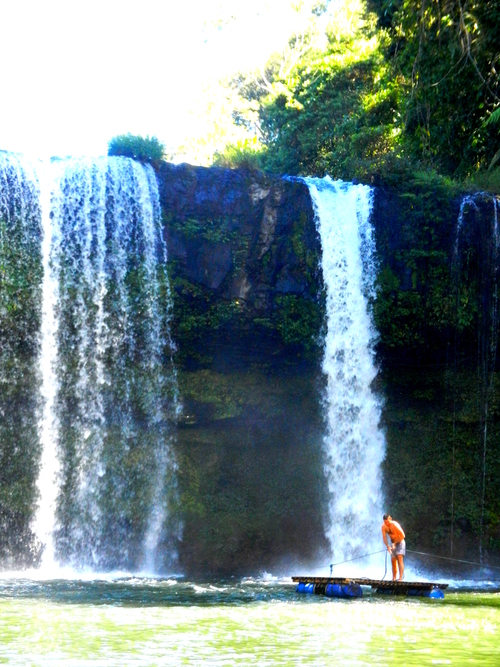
<point x="397" y="83"/>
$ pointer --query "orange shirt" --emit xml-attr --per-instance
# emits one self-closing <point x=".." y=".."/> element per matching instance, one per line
<point x="394" y="530"/>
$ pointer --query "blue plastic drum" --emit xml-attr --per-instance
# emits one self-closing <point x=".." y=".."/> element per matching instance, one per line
<point x="343" y="591"/>
<point x="304" y="588"/>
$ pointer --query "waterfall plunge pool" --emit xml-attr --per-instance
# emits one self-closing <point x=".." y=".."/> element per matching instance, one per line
<point x="128" y="621"/>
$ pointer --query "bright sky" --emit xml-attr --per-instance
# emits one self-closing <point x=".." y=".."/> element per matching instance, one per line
<point x="75" y="73"/>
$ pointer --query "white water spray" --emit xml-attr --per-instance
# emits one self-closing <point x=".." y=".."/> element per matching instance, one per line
<point x="164" y="463"/>
<point x="354" y="443"/>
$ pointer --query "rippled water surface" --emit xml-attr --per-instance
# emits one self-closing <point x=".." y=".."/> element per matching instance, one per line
<point x="136" y="621"/>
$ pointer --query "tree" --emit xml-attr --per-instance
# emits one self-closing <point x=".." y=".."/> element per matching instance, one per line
<point x="400" y="84"/>
<point x="446" y="53"/>
<point x="323" y="109"/>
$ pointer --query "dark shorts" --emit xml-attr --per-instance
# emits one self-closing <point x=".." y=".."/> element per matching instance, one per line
<point x="399" y="549"/>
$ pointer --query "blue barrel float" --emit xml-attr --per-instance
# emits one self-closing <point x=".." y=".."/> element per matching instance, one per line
<point x="434" y="593"/>
<point x="352" y="590"/>
<point x="305" y="588"/>
<point x="349" y="590"/>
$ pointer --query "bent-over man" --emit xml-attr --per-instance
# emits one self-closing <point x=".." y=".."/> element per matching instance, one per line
<point x="397" y="548"/>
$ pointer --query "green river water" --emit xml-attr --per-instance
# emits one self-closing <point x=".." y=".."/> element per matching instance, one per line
<point x="146" y="622"/>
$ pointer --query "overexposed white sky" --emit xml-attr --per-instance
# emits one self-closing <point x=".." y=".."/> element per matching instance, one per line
<point x="74" y="73"/>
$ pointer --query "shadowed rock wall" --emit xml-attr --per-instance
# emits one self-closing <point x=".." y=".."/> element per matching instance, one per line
<point x="437" y="314"/>
<point x="248" y="310"/>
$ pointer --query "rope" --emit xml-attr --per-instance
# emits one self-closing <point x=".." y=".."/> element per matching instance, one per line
<point x="456" y="560"/>
<point x="357" y="558"/>
<point x="385" y="571"/>
<point x="420" y="553"/>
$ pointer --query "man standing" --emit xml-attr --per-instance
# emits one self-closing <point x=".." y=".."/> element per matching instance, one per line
<point x="397" y="548"/>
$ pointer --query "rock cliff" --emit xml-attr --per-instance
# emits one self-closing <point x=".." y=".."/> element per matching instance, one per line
<point x="244" y="254"/>
<point x="244" y="260"/>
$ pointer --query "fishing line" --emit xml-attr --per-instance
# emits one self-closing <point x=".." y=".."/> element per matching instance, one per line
<point x="358" y="557"/>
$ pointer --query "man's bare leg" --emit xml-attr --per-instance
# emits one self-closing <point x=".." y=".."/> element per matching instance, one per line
<point x="394" y="564"/>
<point x="401" y="565"/>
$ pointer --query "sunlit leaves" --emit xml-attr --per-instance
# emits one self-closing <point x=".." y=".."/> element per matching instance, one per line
<point x="417" y="78"/>
<point x="447" y="53"/>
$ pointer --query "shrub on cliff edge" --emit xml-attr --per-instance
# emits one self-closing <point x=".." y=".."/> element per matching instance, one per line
<point x="244" y="154"/>
<point x="144" y="149"/>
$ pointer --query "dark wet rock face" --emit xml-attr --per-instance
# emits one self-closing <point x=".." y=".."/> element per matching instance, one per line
<point x="240" y="235"/>
<point x="244" y="257"/>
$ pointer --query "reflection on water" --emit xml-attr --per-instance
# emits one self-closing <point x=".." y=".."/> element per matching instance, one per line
<point x="152" y="622"/>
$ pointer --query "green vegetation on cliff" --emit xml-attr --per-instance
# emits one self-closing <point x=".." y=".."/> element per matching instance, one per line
<point x="437" y="314"/>
<point x="244" y="268"/>
<point x="399" y="84"/>
<point x="251" y="483"/>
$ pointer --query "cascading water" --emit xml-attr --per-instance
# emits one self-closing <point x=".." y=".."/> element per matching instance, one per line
<point x="20" y="315"/>
<point x="477" y="255"/>
<point x="116" y="384"/>
<point x="47" y="481"/>
<point x="87" y="352"/>
<point x="354" y="444"/>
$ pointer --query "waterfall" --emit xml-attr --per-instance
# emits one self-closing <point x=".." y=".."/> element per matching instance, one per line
<point x="477" y="252"/>
<point x="354" y="443"/>
<point x="47" y="482"/>
<point x="108" y="382"/>
<point x="20" y="315"/>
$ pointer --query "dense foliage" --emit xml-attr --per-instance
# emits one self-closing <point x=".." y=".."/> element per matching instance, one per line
<point x="399" y="83"/>
<point x="446" y="55"/>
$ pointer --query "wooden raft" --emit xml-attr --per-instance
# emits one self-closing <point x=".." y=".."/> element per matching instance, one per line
<point x="396" y="587"/>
